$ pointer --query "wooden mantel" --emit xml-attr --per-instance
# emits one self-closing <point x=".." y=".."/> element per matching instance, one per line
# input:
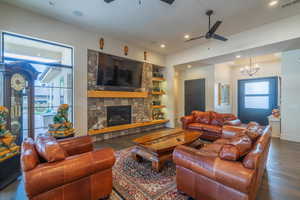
<point x="116" y="94"/>
<point x="125" y="127"/>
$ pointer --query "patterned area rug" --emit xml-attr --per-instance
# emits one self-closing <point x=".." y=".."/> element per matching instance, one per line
<point x="137" y="181"/>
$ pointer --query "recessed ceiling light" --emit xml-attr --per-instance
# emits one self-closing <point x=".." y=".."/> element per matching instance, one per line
<point x="162" y="46"/>
<point x="189" y="66"/>
<point x="77" y="13"/>
<point x="186" y="36"/>
<point x="273" y="3"/>
<point x="238" y="56"/>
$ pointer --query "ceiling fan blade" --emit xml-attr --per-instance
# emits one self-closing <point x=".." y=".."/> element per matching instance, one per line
<point x="108" y="1"/>
<point x="195" y="38"/>
<point x="215" y="27"/>
<point x="219" y="37"/>
<point x="168" y="1"/>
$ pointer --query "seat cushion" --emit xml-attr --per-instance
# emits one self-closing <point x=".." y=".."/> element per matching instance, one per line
<point x="29" y="155"/>
<point x="254" y="130"/>
<point x="196" y="126"/>
<point x="212" y="128"/>
<point x="236" y="148"/>
<point x="201" y="117"/>
<point x="217" y="119"/>
<point x="49" y="149"/>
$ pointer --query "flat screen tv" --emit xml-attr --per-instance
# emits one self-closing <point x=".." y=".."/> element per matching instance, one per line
<point x="116" y="73"/>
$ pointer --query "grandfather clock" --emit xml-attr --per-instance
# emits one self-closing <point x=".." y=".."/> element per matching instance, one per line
<point x="18" y="92"/>
<point x="17" y="95"/>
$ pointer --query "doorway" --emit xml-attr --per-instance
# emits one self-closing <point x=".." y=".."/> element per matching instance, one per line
<point x="257" y="98"/>
<point x="194" y="91"/>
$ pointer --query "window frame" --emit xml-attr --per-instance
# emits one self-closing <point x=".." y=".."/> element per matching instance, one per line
<point x="3" y="59"/>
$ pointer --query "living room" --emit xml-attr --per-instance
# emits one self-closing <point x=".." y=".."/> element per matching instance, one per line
<point x="96" y="103"/>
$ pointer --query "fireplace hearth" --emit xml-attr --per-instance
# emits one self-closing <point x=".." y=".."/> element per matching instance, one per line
<point x="118" y="115"/>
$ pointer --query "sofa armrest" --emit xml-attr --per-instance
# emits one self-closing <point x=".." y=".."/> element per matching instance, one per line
<point x="235" y="122"/>
<point x="186" y="120"/>
<point x="77" y="145"/>
<point x="231" y="174"/>
<point x="48" y="176"/>
<point x="231" y="131"/>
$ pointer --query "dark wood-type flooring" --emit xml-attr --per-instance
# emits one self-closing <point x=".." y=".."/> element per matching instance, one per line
<point x="281" y="180"/>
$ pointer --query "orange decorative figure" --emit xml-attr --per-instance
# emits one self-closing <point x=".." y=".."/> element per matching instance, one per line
<point x="126" y="49"/>
<point x="101" y="43"/>
<point x="8" y="148"/>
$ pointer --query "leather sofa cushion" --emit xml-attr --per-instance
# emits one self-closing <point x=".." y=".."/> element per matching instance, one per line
<point x="228" y="117"/>
<point x="237" y="147"/>
<point x="231" y="131"/>
<point x="77" y="145"/>
<point x="29" y="156"/>
<point x="254" y="130"/>
<point x="196" y="126"/>
<point x="48" y="148"/>
<point x="201" y="117"/>
<point x="217" y="119"/>
<point x="212" y="128"/>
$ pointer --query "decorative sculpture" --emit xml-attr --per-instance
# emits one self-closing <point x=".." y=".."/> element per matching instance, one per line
<point x="8" y="147"/>
<point x="126" y="49"/>
<point x="101" y="43"/>
<point x="62" y="127"/>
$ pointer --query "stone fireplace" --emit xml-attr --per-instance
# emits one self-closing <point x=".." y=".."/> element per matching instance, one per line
<point x="118" y="115"/>
<point x="108" y="112"/>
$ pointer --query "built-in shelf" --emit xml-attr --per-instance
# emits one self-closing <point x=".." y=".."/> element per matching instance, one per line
<point x="158" y="93"/>
<point x="156" y="107"/>
<point x="125" y="127"/>
<point x="116" y="94"/>
<point x="158" y="79"/>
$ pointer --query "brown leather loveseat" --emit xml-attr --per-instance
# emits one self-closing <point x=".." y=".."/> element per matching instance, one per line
<point x="66" y="169"/>
<point x="229" y="168"/>
<point x="210" y="123"/>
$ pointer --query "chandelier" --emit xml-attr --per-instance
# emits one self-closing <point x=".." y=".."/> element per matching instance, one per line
<point x="251" y="69"/>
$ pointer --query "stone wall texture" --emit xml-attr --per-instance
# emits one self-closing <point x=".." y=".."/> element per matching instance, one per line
<point x="141" y="107"/>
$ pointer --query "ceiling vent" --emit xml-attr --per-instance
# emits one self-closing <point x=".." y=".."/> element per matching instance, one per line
<point x="290" y="3"/>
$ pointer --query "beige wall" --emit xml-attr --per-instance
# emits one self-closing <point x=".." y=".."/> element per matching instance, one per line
<point x="291" y="95"/>
<point x="196" y="72"/>
<point x="20" y="21"/>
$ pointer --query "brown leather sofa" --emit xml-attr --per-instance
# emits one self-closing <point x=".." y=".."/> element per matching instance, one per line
<point x="230" y="168"/>
<point x="210" y="123"/>
<point x="68" y="169"/>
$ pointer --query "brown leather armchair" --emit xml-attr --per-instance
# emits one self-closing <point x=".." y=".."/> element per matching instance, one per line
<point x="210" y="123"/>
<point x="229" y="168"/>
<point x="73" y="170"/>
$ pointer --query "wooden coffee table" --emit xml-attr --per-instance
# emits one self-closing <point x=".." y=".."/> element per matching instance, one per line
<point x="159" y="146"/>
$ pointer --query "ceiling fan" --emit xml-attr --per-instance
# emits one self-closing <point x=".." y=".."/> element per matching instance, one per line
<point x="211" y="30"/>
<point x="166" y="1"/>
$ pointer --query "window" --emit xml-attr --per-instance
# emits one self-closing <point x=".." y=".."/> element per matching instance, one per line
<point x="54" y="85"/>
<point x="257" y="95"/>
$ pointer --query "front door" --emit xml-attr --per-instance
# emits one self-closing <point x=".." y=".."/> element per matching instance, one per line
<point x="194" y="95"/>
<point x="256" y="99"/>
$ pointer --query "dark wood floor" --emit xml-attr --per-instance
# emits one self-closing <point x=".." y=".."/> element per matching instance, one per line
<point x="281" y="180"/>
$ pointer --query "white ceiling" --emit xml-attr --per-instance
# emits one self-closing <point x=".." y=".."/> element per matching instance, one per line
<point x="154" y="22"/>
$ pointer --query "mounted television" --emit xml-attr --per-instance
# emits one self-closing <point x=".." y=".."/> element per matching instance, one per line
<point x="116" y="73"/>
